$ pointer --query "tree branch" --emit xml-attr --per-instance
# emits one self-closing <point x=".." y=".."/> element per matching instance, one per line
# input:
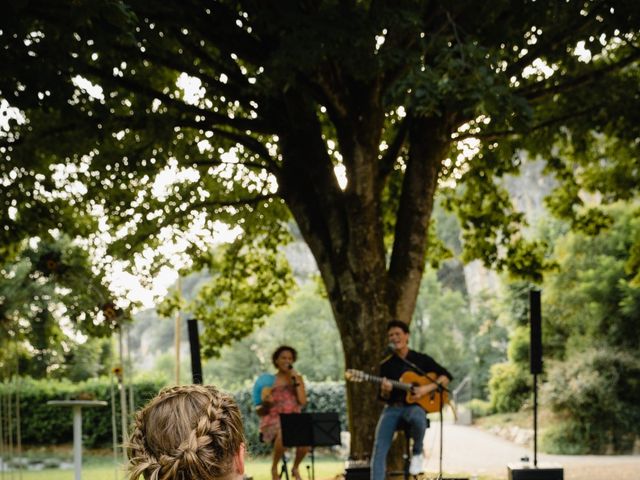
<point x="427" y="146"/>
<point x="218" y="163"/>
<point x="151" y="94"/>
<point x="578" y="80"/>
<point x="389" y="158"/>
<point x="174" y="62"/>
<point x="245" y="140"/>
<point x="552" y="40"/>
<point x="496" y="135"/>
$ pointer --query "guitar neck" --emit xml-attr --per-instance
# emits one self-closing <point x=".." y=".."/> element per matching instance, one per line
<point x="395" y="383"/>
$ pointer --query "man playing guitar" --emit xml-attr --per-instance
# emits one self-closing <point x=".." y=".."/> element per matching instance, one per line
<point x="400" y="405"/>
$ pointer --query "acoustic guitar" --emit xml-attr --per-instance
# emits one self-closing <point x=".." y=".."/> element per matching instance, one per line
<point x="430" y="402"/>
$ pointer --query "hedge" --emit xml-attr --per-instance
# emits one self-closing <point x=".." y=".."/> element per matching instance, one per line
<point x="42" y="424"/>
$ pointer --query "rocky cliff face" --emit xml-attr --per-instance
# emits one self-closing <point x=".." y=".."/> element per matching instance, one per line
<point x="529" y="189"/>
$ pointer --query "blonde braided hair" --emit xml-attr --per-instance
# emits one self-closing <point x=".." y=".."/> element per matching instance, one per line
<point x="186" y="432"/>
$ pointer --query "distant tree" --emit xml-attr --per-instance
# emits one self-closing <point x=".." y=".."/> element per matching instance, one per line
<point x="469" y="340"/>
<point x="443" y="326"/>
<point x="489" y="342"/>
<point x="49" y="294"/>
<point x="306" y="324"/>
<point x="590" y="313"/>
<point x="593" y="384"/>
<point x="404" y="98"/>
<point x="90" y="359"/>
<point x="246" y="281"/>
<point x="592" y="301"/>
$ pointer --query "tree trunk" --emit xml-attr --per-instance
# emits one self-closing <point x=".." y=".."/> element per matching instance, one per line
<point x="344" y="231"/>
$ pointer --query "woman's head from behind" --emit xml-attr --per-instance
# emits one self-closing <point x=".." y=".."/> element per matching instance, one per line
<point x="191" y="432"/>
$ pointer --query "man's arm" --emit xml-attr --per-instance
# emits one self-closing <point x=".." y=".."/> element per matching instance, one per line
<point x="422" y="390"/>
<point x="385" y="389"/>
<point x="443" y="379"/>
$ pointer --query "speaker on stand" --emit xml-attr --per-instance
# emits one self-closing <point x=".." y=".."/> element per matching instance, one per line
<point x="526" y="471"/>
<point x="194" y="342"/>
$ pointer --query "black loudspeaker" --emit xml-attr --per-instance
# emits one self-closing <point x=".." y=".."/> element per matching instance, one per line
<point x="194" y="342"/>
<point x="525" y="472"/>
<point x="535" y="348"/>
<point x="357" y="473"/>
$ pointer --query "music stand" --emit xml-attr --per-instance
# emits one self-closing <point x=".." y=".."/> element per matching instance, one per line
<point x="320" y="429"/>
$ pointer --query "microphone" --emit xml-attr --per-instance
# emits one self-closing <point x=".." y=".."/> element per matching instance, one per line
<point x="294" y="380"/>
<point x="391" y="349"/>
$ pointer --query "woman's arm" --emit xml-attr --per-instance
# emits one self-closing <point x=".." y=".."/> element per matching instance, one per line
<point x="298" y="385"/>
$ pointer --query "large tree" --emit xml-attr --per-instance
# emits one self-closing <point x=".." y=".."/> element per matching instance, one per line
<point x="402" y="98"/>
<point x="49" y="297"/>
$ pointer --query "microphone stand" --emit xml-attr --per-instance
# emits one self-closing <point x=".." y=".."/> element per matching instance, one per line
<point x="441" y="389"/>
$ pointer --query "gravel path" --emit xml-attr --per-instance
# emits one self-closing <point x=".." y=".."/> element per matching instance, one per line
<point x="472" y="451"/>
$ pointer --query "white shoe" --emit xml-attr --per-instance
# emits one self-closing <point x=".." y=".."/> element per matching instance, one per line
<point x="416" y="466"/>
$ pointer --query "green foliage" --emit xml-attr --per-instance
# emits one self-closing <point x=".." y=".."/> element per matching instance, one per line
<point x="468" y="343"/>
<point x="509" y="387"/>
<point x="480" y="408"/>
<point x="50" y="283"/>
<point x="87" y="360"/>
<point x="248" y="280"/>
<point x="595" y="393"/>
<point x="306" y="323"/>
<point x="567" y="438"/>
<point x="43" y="424"/>
<point x="491" y="227"/>
<point x="245" y="289"/>
<point x="442" y="325"/>
<point x="488" y="344"/>
<point x="96" y="83"/>
<point x="518" y="351"/>
<point x="613" y="172"/>
<point x="632" y="266"/>
<point x="591" y="337"/>
<point x="592" y="299"/>
<point x="509" y="384"/>
<point x="388" y="91"/>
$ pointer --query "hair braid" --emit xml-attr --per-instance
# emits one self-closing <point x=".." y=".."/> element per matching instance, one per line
<point x="189" y="431"/>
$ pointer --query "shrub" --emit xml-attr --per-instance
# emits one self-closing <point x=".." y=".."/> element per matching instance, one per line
<point x="42" y="424"/>
<point x="596" y="392"/>
<point x="480" y="408"/>
<point x="566" y="437"/>
<point x="509" y="387"/>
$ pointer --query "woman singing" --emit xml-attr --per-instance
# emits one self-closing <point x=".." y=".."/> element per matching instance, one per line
<point x="286" y="395"/>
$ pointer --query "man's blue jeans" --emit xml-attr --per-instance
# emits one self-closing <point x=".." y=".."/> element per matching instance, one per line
<point x="391" y="415"/>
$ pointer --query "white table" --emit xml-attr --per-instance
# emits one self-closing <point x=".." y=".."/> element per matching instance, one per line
<point x="77" y="405"/>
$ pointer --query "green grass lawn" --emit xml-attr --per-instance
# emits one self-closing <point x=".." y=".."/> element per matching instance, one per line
<point x="258" y="468"/>
<point x="104" y="469"/>
<point x="325" y="468"/>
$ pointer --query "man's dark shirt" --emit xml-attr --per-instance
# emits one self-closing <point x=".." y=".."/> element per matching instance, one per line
<point x="393" y="367"/>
